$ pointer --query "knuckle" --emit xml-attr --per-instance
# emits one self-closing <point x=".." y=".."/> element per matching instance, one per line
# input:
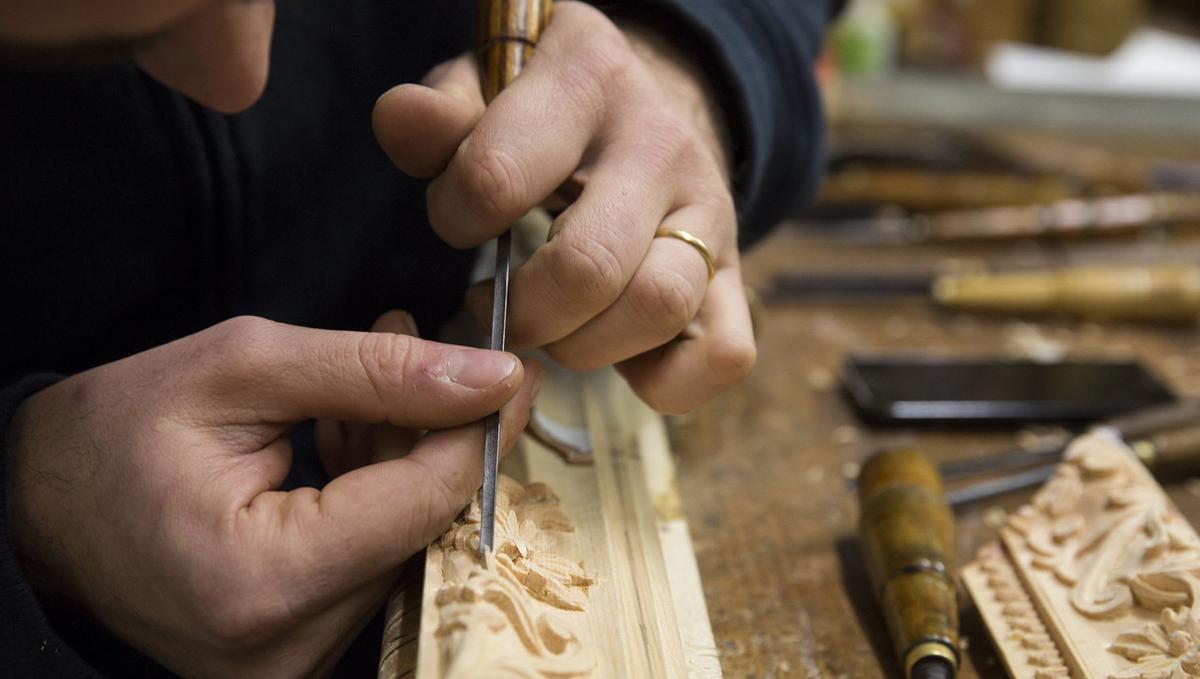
<point x="731" y="359"/>
<point x="494" y="180"/>
<point x="387" y="360"/>
<point x="242" y="344"/>
<point x="669" y="144"/>
<point x="601" y="67"/>
<point x="586" y="270"/>
<point x="600" y="45"/>
<point x="663" y="302"/>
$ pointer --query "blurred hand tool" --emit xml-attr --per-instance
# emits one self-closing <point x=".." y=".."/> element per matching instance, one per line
<point x="508" y="32"/>
<point x="1165" y="438"/>
<point x="1070" y="218"/>
<point x="1166" y="293"/>
<point x="1133" y="426"/>
<point x="907" y="533"/>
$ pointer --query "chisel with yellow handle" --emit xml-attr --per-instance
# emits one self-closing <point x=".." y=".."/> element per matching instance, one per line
<point x="1163" y="293"/>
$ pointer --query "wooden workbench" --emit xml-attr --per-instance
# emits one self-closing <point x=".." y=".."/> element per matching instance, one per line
<point x="762" y="469"/>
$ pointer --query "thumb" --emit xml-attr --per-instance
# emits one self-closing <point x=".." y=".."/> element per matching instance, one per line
<point x="421" y="126"/>
<point x="377" y="516"/>
<point x="255" y="371"/>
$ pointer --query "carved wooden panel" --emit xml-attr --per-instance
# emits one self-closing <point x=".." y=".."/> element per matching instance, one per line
<point x="1024" y="643"/>
<point x="595" y="573"/>
<point x="1110" y="565"/>
<point x="518" y="611"/>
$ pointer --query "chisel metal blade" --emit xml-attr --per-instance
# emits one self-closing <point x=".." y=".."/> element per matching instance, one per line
<point x="804" y="286"/>
<point x="491" y="443"/>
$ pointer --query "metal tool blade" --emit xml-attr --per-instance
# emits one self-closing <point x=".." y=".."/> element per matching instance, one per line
<point x="790" y="287"/>
<point x="491" y="443"/>
<point x="1008" y="460"/>
<point x="573" y="444"/>
<point x="865" y="232"/>
<point x="1007" y="484"/>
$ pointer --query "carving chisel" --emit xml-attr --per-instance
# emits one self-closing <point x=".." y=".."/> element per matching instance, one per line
<point x="1169" y="452"/>
<point x="1165" y="293"/>
<point x="1134" y="426"/>
<point x="508" y="32"/>
<point x="907" y="534"/>
<point x="1069" y="218"/>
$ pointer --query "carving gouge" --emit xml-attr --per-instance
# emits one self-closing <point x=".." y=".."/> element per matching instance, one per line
<point x="1163" y="293"/>
<point x="1171" y="452"/>
<point x="1069" y="218"/>
<point x="907" y="534"/>
<point x="508" y="32"/>
<point x="1134" y="426"/>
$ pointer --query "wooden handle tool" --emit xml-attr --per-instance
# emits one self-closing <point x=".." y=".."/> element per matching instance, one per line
<point x="1164" y="293"/>
<point x="907" y="533"/>
<point x="508" y="32"/>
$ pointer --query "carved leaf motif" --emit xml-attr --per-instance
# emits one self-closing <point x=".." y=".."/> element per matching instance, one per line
<point x="1109" y="537"/>
<point x="1169" y="649"/>
<point x="484" y="601"/>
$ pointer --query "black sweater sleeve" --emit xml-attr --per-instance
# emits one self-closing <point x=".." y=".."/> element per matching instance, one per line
<point x="29" y="645"/>
<point x="760" y="56"/>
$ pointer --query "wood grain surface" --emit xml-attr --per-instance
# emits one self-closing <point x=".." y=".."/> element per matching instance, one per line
<point x="762" y="470"/>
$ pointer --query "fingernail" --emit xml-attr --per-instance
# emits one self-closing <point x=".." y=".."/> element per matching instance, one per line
<point x="477" y="369"/>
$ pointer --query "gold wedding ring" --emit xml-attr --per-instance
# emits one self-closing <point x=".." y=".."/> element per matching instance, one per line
<point x="695" y="243"/>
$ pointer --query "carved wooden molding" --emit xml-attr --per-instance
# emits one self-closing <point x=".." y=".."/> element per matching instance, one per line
<point x="643" y="611"/>
<point x="1025" y="644"/>
<point x="1111" y="566"/>
<point x="511" y="613"/>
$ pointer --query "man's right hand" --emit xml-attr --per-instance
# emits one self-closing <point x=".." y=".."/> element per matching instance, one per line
<point x="145" y="491"/>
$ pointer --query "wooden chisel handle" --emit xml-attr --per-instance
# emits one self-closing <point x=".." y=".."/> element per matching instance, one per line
<point x="1163" y="293"/>
<point x="1176" y="450"/>
<point x="508" y="32"/>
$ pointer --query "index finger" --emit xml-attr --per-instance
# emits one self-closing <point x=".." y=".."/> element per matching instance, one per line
<point x="535" y="134"/>
<point x="255" y="371"/>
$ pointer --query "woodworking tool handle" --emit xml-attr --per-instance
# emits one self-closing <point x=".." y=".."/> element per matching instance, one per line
<point x="1068" y="217"/>
<point x="1173" y="451"/>
<point x="907" y="533"/>
<point x="508" y="32"/>
<point x="1162" y="293"/>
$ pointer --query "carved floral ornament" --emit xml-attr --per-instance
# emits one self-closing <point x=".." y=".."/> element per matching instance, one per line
<point x="1107" y="532"/>
<point x="503" y="616"/>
